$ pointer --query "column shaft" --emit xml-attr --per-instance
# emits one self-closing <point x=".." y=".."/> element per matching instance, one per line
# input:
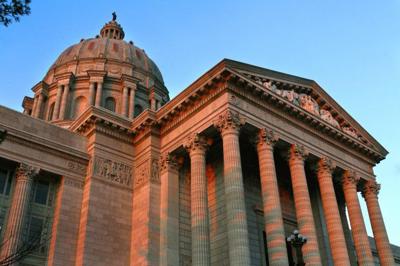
<point x="64" y="102"/>
<point x="370" y="193"/>
<point x="132" y="103"/>
<point x="91" y="93"/>
<point x="125" y="101"/>
<point x="274" y="229"/>
<point x="38" y="110"/>
<point x="337" y="240"/>
<point x="58" y="102"/>
<point x="99" y="94"/>
<point x="360" y="237"/>
<point x="35" y="100"/>
<point x="305" y="219"/>
<point x="199" y="201"/>
<point x="17" y="212"/>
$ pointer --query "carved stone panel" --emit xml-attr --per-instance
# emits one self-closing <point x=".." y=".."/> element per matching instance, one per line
<point x="113" y="171"/>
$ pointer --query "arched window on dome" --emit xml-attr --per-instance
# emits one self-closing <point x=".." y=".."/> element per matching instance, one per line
<point x="110" y="104"/>
<point x="138" y="110"/>
<point x="50" y="112"/>
<point x="80" y="105"/>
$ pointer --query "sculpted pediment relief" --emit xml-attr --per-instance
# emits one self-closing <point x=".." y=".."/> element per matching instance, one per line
<point x="308" y="103"/>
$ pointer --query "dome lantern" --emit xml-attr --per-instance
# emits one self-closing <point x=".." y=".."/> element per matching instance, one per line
<point x="112" y="29"/>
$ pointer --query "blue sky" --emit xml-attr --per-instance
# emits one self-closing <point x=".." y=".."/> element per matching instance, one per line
<point x="351" y="48"/>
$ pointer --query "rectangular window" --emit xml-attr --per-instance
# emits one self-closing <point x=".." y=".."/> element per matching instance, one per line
<point x="5" y="182"/>
<point x="41" y="192"/>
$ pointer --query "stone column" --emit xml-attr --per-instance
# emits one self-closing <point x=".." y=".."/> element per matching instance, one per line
<point x="197" y="146"/>
<point x="169" y="219"/>
<point x="99" y="94"/>
<point x="57" y="104"/>
<point x="34" y="106"/>
<point x="229" y="125"/>
<point x="132" y="103"/>
<point x="17" y="211"/>
<point x="64" y="102"/>
<point x="370" y="194"/>
<point x="274" y="229"/>
<point x="91" y="93"/>
<point x="360" y="237"/>
<point x="38" y="109"/>
<point x="125" y="101"/>
<point x="305" y="218"/>
<point x="337" y="240"/>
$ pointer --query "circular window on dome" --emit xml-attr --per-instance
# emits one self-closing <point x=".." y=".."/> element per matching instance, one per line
<point x="110" y="104"/>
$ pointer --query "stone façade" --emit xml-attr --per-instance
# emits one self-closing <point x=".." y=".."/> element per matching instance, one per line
<point x="102" y="126"/>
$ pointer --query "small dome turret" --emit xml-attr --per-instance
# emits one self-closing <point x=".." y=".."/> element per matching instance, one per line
<point x="112" y="29"/>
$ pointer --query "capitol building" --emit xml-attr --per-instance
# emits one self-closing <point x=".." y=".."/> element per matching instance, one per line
<point x="103" y="168"/>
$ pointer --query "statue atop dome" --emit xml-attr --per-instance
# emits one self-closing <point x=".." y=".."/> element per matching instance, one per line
<point x="112" y="29"/>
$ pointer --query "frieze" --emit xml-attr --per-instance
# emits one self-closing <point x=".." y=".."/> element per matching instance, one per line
<point x="76" y="167"/>
<point x="113" y="171"/>
<point x="148" y="171"/>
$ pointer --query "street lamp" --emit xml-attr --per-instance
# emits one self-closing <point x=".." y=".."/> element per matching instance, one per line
<point x="297" y="240"/>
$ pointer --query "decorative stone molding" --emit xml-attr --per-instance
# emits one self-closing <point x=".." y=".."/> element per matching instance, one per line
<point x="308" y="103"/>
<point x="25" y="171"/>
<point x="167" y="160"/>
<point x="196" y="143"/>
<point x="113" y="171"/>
<point x="155" y="172"/>
<point x="297" y="152"/>
<point x="229" y="120"/>
<point x="3" y="134"/>
<point x="267" y="136"/>
<point x="76" y="167"/>
<point x="371" y="187"/>
<point x="147" y="172"/>
<point x="142" y="174"/>
<point x="350" y="178"/>
<point x="325" y="164"/>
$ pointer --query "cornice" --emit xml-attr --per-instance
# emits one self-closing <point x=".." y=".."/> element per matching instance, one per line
<point x="66" y="77"/>
<point x="272" y="98"/>
<point x="41" y="85"/>
<point x="104" y="121"/>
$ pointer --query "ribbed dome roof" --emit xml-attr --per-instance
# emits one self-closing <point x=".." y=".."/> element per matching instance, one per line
<point x="110" y="46"/>
<point x="110" y="49"/>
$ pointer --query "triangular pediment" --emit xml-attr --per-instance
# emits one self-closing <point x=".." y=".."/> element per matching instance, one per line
<point x="307" y="95"/>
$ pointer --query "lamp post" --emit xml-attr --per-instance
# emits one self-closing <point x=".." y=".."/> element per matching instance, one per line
<point x="297" y="240"/>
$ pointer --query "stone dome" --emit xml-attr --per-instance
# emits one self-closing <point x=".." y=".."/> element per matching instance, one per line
<point x="105" y="72"/>
<point x="110" y="48"/>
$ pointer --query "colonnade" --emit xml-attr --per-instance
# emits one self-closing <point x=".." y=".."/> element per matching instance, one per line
<point x="95" y="98"/>
<point x="229" y="125"/>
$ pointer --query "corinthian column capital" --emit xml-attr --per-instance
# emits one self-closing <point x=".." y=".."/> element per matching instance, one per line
<point x="370" y="188"/>
<point x="25" y="171"/>
<point x="196" y="143"/>
<point x="266" y="138"/>
<point x="168" y="161"/>
<point x="350" y="179"/>
<point x="325" y="164"/>
<point x="297" y="153"/>
<point x="229" y="121"/>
